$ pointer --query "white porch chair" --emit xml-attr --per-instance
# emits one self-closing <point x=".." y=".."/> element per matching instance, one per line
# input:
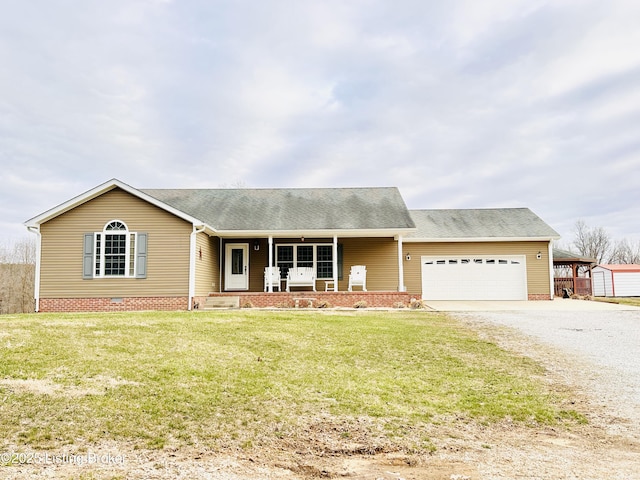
<point x="358" y="277"/>
<point x="271" y="277"/>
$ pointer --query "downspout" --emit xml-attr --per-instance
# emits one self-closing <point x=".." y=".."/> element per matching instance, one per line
<point x="36" y="282"/>
<point x="552" y="286"/>
<point x="270" y="246"/>
<point x="192" y="264"/>
<point x="401" y="287"/>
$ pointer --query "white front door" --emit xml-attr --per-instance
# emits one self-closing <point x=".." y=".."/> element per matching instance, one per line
<point x="236" y="266"/>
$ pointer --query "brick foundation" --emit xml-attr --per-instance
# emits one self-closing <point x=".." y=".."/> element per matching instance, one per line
<point x="539" y="296"/>
<point x="247" y="299"/>
<point x="333" y="299"/>
<point x="108" y="304"/>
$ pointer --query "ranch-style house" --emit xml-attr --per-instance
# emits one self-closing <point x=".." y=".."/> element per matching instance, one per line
<point x="117" y="248"/>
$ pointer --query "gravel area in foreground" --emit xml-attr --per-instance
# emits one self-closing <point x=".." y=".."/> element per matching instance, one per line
<point x="606" y="345"/>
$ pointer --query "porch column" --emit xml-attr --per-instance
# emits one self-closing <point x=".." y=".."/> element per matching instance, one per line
<point x="335" y="263"/>
<point x="401" y="287"/>
<point x="270" y="246"/>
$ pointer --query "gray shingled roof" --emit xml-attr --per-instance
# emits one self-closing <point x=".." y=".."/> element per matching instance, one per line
<point x="291" y="209"/>
<point x="480" y="223"/>
<point x="566" y="255"/>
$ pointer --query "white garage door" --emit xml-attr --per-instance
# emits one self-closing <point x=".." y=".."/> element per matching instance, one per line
<point x="474" y="278"/>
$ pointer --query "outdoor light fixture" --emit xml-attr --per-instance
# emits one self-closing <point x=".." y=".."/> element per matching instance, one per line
<point x="539" y="255"/>
<point x="256" y="245"/>
<point x="407" y="257"/>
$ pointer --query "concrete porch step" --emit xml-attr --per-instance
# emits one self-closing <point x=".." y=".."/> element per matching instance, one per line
<point x="221" y="302"/>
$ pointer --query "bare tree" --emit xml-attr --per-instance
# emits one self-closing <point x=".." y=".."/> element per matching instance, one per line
<point x="236" y="184"/>
<point x="625" y="251"/>
<point x="17" y="269"/>
<point x="592" y="242"/>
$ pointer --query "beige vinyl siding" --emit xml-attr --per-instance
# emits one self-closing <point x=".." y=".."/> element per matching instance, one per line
<point x="258" y="259"/>
<point x="207" y="264"/>
<point x="62" y="249"/>
<point x="379" y="255"/>
<point x="538" y="282"/>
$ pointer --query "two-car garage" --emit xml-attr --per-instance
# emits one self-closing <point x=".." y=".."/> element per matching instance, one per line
<point x="469" y="277"/>
<point x="480" y="254"/>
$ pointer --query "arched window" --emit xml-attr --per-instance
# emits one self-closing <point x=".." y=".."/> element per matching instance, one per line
<point x="115" y="252"/>
<point x="115" y="225"/>
<point x="112" y="250"/>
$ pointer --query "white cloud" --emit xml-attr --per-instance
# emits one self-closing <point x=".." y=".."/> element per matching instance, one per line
<point x="460" y="104"/>
<point x="606" y="46"/>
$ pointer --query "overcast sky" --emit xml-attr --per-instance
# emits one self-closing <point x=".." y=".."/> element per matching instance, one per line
<point x="460" y="104"/>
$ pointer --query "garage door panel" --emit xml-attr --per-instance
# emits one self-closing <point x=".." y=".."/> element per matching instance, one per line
<point x="474" y="278"/>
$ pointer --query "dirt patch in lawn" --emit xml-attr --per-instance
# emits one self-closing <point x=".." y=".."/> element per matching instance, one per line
<point x="97" y="385"/>
<point x="607" y="447"/>
<point x="463" y="451"/>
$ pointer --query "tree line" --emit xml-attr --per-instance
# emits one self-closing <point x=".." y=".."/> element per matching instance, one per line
<point x="597" y="243"/>
<point x="17" y="274"/>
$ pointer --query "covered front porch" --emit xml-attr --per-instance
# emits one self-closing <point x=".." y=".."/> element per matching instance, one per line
<point x="245" y="264"/>
<point x="241" y="232"/>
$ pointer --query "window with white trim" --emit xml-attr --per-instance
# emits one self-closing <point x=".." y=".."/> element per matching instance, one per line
<point x="114" y="252"/>
<point x="324" y="261"/>
<point x="317" y="256"/>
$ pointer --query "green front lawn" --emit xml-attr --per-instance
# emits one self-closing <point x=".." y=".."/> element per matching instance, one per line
<point x="634" y="301"/>
<point x="232" y="379"/>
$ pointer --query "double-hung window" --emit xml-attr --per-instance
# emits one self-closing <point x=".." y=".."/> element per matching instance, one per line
<point x="115" y="252"/>
<point x="324" y="261"/>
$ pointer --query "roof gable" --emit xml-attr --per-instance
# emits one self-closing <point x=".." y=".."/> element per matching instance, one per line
<point x="480" y="224"/>
<point x="251" y="210"/>
<point x="100" y="190"/>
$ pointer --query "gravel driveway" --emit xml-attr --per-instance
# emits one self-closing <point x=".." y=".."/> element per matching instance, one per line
<point x="604" y="344"/>
<point x="596" y="351"/>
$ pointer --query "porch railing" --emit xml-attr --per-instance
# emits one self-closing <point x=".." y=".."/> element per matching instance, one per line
<point x="579" y="285"/>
